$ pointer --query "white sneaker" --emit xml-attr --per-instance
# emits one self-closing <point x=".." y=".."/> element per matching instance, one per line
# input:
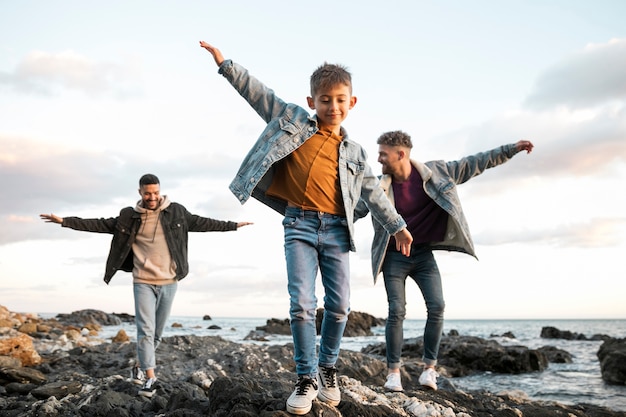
<point x="301" y="399"/>
<point x="149" y="388"/>
<point x="393" y="382"/>
<point x="329" y="388"/>
<point x="428" y="378"/>
<point x="137" y="376"/>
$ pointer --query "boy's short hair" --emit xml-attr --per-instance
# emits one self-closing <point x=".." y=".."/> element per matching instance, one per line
<point x="329" y="75"/>
<point x="148" y="179"/>
<point x="395" y="138"/>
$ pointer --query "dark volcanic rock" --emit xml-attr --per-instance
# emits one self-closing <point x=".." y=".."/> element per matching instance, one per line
<point x="81" y="317"/>
<point x="556" y="355"/>
<point x="276" y="326"/>
<point x="549" y="332"/>
<point x="359" y="324"/>
<point x="612" y="356"/>
<point x="209" y="376"/>
<point x="464" y="355"/>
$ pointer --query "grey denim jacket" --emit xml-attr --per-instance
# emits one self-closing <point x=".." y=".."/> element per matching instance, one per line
<point x="440" y="180"/>
<point x="288" y="127"/>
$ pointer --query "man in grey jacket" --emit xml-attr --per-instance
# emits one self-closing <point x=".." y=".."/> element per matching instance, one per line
<point x="149" y="240"/>
<point x="425" y="195"/>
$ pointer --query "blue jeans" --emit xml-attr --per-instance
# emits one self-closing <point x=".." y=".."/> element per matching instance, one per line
<point x="315" y="241"/>
<point x="153" y="304"/>
<point x="422" y="267"/>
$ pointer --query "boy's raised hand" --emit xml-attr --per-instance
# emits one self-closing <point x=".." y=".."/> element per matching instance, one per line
<point x="217" y="55"/>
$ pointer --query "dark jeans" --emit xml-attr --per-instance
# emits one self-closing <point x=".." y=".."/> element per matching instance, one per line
<point x="422" y="267"/>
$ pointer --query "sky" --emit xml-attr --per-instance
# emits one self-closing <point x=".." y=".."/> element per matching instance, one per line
<point x="94" y="95"/>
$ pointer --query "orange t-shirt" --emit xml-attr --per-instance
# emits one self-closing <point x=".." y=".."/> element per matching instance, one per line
<point x="309" y="177"/>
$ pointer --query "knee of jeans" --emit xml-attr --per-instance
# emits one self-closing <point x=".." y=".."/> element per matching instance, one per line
<point x="397" y="312"/>
<point x="436" y="309"/>
<point x="297" y="313"/>
<point x="336" y="316"/>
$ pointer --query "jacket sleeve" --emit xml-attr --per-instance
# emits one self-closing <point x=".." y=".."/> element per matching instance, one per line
<point x="101" y="225"/>
<point x="381" y="208"/>
<point x="471" y="166"/>
<point x="261" y="98"/>
<point x="197" y="223"/>
<point x="360" y="210"/>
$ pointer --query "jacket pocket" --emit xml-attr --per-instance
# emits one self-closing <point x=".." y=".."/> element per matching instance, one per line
<point x="355" y="167"/>
<point x="287" y="126"/>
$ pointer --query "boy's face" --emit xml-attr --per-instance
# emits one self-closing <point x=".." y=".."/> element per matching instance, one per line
<point x="150" y="195"/>
<point x="332" y="105"/>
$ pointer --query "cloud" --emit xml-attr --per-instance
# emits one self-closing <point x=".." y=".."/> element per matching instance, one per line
<point x="591" y="77"/>
<point x="594" y="233"/>
<point x="38" y="177"/>
<point x="48" y="74"/>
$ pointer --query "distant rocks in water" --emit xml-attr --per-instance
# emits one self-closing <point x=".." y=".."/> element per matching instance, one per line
<point x="612" y="356"/>
<point x="98" y="317"/>
<point x="177" y="325"/>
<point x="549" y="332"/>
<point x="465" y="355"/>
<point x="508" y="335"/>
<point x="214" y="327"/>
<point x="275" y="326"/>
<point x="206" y="317"/>
<point x="556" y="355"/>
<point x="125" y="317"/>
<point x="359" y="324"/>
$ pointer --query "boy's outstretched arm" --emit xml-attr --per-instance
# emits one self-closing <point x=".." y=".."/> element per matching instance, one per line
<point x="217" y="55"/>
<point x="403" y="241"/>
<point x="524" y="145"/>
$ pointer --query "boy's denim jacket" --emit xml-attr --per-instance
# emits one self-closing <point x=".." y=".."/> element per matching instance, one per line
<point x="440" y="180"/>
<point x="288" y="127"/>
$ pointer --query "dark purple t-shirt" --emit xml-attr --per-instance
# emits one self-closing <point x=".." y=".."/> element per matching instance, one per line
<point x="424" y="218"/>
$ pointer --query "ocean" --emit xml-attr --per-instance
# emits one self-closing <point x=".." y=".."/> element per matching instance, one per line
<point x="574" y="383"/>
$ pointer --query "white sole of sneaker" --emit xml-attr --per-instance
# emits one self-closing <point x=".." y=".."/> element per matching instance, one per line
<point x="298" y="411"/>
<point x="328" y="401"/>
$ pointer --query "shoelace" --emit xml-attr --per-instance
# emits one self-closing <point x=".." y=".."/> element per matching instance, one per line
<point x="329" y="377"/>
<point x="302" y="386"/>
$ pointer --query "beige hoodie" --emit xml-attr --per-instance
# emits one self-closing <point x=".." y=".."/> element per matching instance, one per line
<point x="152" y="261"/>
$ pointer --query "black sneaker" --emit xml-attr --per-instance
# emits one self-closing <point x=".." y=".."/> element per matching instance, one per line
<point x="137" y="376"/>
<point x="149" y="388"/>
<point x="301" y="399"/>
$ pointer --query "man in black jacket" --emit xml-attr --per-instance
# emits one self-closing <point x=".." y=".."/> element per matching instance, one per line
<point x="149" y="240"/>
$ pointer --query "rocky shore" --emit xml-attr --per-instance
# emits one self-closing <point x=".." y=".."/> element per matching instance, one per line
<point x="59" y="367"/>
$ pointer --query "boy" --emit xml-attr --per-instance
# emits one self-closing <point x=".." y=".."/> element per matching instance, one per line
<point x="307" y="169"/>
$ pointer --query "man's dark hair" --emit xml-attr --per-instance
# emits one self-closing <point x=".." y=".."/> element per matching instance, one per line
<point x="395" y="138"/>
<point x="330" y="75"/>
<point x="148" y="179"/>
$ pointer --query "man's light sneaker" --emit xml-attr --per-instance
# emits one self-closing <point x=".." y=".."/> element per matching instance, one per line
<point x="329" y="388"/>
<point x="149" y="388"/>
<point x="393" y="382"/>
<point x="301" y="399"/>
<point x="428" y="378"/>
<point x="137" y="376"/>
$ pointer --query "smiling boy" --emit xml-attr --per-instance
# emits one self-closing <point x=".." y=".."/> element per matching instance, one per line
<point x="308" y="170"/>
